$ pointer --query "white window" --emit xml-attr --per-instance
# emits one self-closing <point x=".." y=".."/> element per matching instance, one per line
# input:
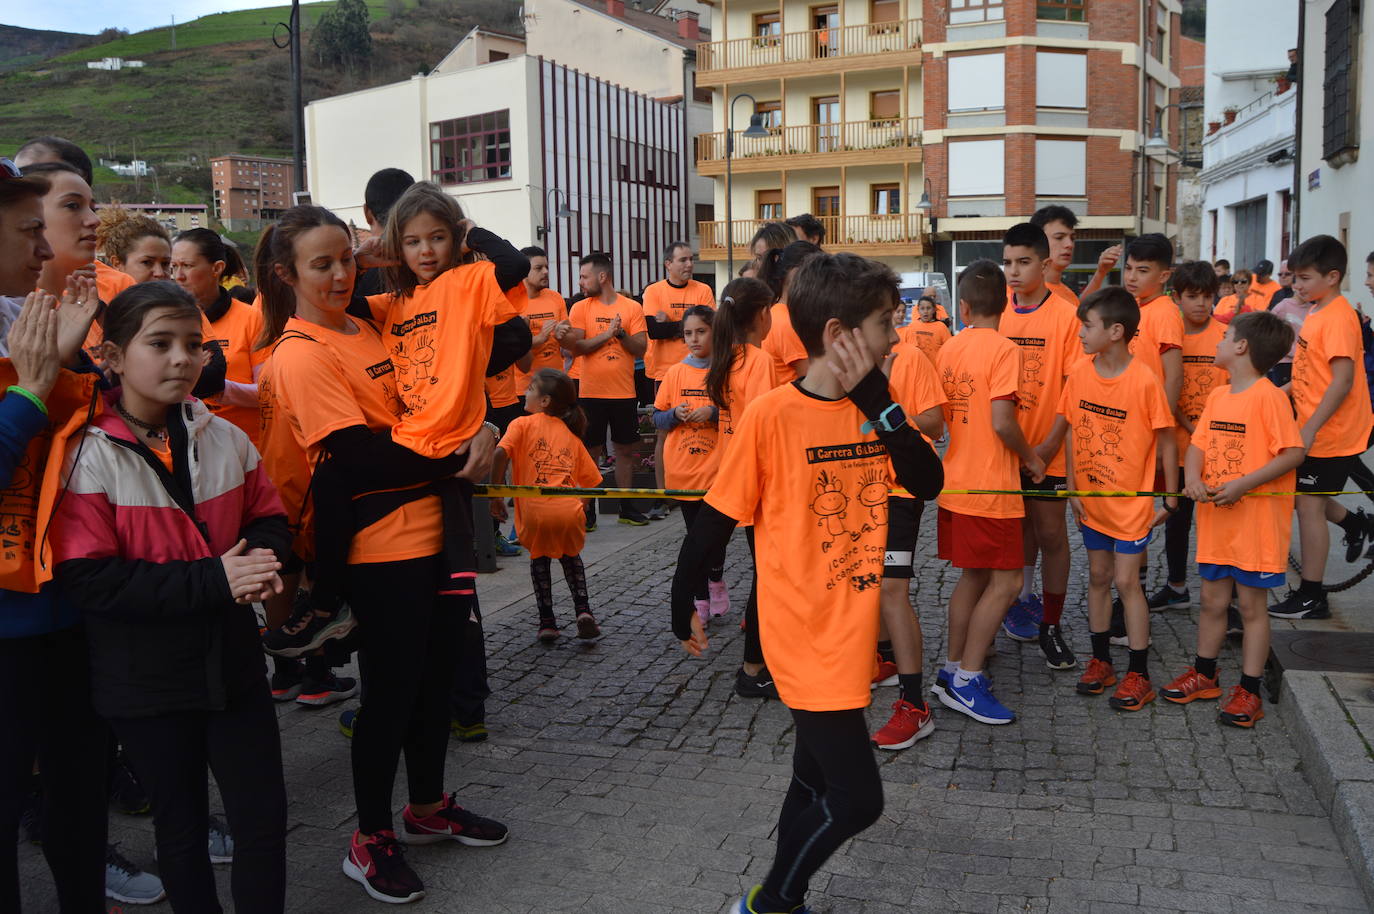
<point x="1061" y="168"/>
<point x="976" y="168"/>
<point x="1061" y="80"/>
<point x="976" y="81"/>
<point x="964" y="11"/>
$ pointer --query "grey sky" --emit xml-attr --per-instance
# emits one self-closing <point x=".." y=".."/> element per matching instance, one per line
<point x="135" y="15"/>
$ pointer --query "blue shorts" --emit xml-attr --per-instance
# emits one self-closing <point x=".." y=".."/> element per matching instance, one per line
<point x="1264" y="580"/>
<point x="1103" y="543"/>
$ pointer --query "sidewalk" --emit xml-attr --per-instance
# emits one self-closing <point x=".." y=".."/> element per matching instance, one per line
<point x="633" y="779"/>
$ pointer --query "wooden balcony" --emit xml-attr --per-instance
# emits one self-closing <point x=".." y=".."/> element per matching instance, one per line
<point x="881" y="142"/>
<point x="867" y="46"/>
<point x="895" y="235"/>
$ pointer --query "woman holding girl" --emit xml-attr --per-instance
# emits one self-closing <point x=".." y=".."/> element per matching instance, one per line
<point x="782" y="343"/>
<point x="545" y="448"/>
<point x="332" y="391"/>
<point x="739" y="373"/>
<point x="168" y="529"/>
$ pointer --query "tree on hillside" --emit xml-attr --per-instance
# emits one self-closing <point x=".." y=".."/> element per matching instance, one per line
<point x="341" y="39"/>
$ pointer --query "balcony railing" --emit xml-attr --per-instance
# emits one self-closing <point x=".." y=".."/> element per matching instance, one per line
<point x="840" y="231"/>
<point x="816" y="44"/>
<point x="805" y="139"/>
<point x="1268" y="119"/>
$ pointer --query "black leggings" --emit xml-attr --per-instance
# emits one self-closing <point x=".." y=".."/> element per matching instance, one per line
<point x="753" y="648"/>
<point x="470" y="687"/>
<point x="717" y="559"/>
<point x="1176" y="531"/>
<point x="835" y="794"/>
<point x="407" y="635"/>
<point x="240" y="744"/>
<point x="574" y="573"/>
<point x="45" y="702"/>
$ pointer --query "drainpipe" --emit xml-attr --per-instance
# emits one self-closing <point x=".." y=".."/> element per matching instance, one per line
<point x="1294" y="235"/>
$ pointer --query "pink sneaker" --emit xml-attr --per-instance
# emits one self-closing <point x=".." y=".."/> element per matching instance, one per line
<point x="720" y="597"/>
<point x="451" y="823"/>
<point x="703" y="610"/>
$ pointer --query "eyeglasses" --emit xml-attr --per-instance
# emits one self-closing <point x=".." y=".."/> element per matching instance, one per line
<point x="8" y="169"/>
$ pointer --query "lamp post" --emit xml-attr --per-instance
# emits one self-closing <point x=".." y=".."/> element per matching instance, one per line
<point x="925" y="206"/>
<point x="562" y="212"/>
<point x="293" y="43"/>
<point x="1157" y="145"/>
<point x="755" y="130"/>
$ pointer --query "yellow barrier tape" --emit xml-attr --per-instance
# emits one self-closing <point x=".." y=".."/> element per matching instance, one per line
<point x="505" y="491"/>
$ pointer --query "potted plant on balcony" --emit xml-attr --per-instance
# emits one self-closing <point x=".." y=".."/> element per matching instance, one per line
<point x="1213" y="127"/>
<point x="1229" y="113"/>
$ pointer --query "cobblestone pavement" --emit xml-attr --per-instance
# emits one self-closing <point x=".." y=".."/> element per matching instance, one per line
<point x="634" y="779"/>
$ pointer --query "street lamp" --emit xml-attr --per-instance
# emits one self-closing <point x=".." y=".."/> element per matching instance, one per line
<point x="924" y="204"/>
<point x="561" y="213"/>
<point x="755" y="130"/>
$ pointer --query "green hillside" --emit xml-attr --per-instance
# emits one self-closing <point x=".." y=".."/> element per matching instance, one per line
<point x="20" y="47"/>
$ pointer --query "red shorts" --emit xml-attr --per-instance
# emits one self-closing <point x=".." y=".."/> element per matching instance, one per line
<point x="979" y="542"/>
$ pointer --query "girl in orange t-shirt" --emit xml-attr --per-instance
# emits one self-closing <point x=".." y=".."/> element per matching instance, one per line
<point x="545" y="448"/>
<point x="782" y="343"/>
<point x="691" y="454"/>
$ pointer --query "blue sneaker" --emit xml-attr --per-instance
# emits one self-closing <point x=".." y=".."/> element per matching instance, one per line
<point x="514" y="537"/>
<point x="125" y="882"/>
<point x="1022" y="622"/>
<point x="941" y="684"/>
<point x="347" y="719"/>
<point x="977" y="701"/>
<point x="505" y="547"/>
<point x="746" y="905"/>
<point x="221" y="842"/>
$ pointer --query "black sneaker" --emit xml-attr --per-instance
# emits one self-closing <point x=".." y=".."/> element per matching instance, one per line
<point x="760" y="686"/>
<point x="377" y="863"/>
<point x="1168" y="598"/>
<point x="287" y="677"/>
<point x="1058" y="656"/>
<point x="1297" y="606"/>
<point x="590" y="512"/>
<point x="633" y="518"/>
<point x="1118" y="626"/>
<point x="1354" y="545"/>
<point x="307" y="628"/>
<point x="1235" y="627"/>
<point x="126" y="792"/>
<point x="317" y="694"/>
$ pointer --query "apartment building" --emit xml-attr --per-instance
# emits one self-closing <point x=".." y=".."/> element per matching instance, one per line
<point x="918" y="131"/>
<point x="251" y="191"/>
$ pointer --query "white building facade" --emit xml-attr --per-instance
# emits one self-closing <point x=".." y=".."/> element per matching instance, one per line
<point x="1247" y="161"/>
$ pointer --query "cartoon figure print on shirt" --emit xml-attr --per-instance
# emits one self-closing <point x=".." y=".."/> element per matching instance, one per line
<point x="411" y="357"/>
<point x="550" y="465"/>
<point x="1225" y="449"/>
<point x="846" y="518"/>
<point x="1197" y="386"/>
<point x="1032" y="386"/>
<point x="958" y="390"/>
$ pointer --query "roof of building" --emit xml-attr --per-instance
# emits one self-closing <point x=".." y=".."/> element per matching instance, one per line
<point x="243" y="155"/>
<point x="658" y="26"/>
<point x="1192" y="61"/>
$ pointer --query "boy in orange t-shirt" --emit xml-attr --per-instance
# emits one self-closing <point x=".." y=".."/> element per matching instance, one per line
<point x="1044" y="325"/>
<point x="1245" y="440"/>
<point x="1122" y="429"/>
<point x="1331" y="398"/>
<point x="810" y="467"/>
<point x="981" y="534"/>
<point x="1194" y="287"/>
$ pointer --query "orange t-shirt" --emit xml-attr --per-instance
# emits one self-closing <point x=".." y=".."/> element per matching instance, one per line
<point x="1238" y="434"/>
<point x="1201" y="376"/>
<point x="1064" y="292"/>
<point x="752" y="374"/>
<point x="1112" y="430"/>
<point x="1265" y="291"/>
<point x="815" y="488"/>
<point x="548" y="306"/>
<point x="543" y="451"/>
<point x="783" y="344"/>
<point x="109" y="282"/>
<point x="238" y="331"/>
<point x="608" y="373"/>
<point x="1161" y="329"/>
<point x="439" y="340"/>
<point x="673" y="301"/>
<point x="311" y="388"/>
<point x="691" y="452"/>
<point x="914" y="383"/>
<point x="927" y="337"/>
<point x="1048" y="338"/>
<point x="977" y="367"/>
<point x="1332" y="332"/>
<point x="1229" y="306"/>
<point x="501" y="389"/>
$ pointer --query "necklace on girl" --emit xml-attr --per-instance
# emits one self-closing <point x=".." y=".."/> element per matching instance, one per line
<point x="152" y="431"/>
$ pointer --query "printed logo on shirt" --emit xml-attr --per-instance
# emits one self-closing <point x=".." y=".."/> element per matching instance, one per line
<point x="1199" y="359"/>
<point x="550" y="465"/>
<point x="958" y="390"/>
<point x="381" y="369"/>
<point x="859" y="450"/>
<point x="1225" y="452"/>
<point x="420" y="320"/>
<point x="844" y="516"/>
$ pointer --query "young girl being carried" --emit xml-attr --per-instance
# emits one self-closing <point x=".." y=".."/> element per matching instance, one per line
<point x="169" y="528"/>
<point x="545" y="448"/>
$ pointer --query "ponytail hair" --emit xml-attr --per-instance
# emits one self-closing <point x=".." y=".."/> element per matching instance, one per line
<point x="778" y="263"/>
<point x="277" y="247"/>
<point x="558" y="387"/>
<point x="741" y="303"/>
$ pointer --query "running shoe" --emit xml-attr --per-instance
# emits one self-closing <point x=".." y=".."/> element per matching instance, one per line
<point x="1132" y="694"/>
<point x="1297" y="606"/>
<point x="469" y="733"/>
<point x="941" y="684"/>
<point x="719" y="596"/>
<point x="746" y="905"/>
<point x="1020" y="623"/>
<point x="126" y="883"/>
<point x="1190" y="686"/>
<point x="1058" y="655"/>
<point x="589" y="511"/>
<point x="659" y="511"/>
<point x="548" y="630"/>
<point x="506" y="547"/>
<point x="1168" y="598"/>
<point x="221" y="842"/>
<point x="126" y="792"/>
<point x="1243" y="708"/>
<point x="976" y="700"/>
<point x="886" y="675"/>
<point x="452" y="823"/>
<point x="1117" y="630"/>
<point x="1097" y="677"/>
<point x="633" y="518"/>
<point x="307" y="628"/>
<point x="759" y="686"/>
<point x="286" y="679"/>
<point x="1235" y="625"/>
<point x="348" y="719"/>
<point x="1354" y="545"/>
<point x="907" y="724"/>
<point x="513" y="537"/>
<point x="327" y="691"/>
<point x="587" y="629"/>
<point x="703" y="609"/>
<point x="379" y="864"/>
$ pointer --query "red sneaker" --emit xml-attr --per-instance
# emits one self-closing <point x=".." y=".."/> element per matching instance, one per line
<point x="452" y="823"/>
<point x="907" y="724"/>
<point x="1242" y="709"/>
<point x="886" y="675"/>
<point x="1191" y="686"/>
<point x="376" y="861"/>
<point x="1097" y="677"/>
<point x="1133" y="694"/>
